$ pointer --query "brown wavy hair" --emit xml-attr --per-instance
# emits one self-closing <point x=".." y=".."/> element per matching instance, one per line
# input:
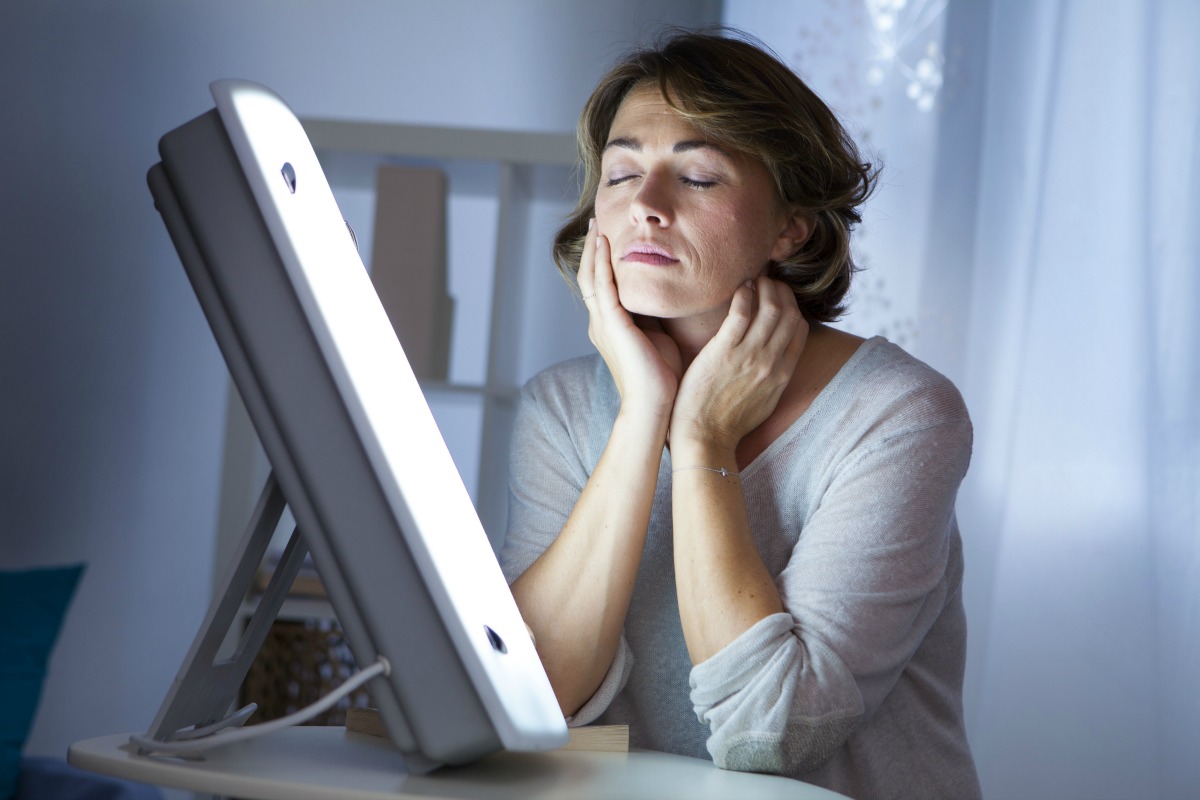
<point x="740" y="95"/>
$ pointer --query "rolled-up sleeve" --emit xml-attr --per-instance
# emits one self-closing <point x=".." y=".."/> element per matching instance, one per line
<point x="776" y="702"/>
<point x="866" y="580"/>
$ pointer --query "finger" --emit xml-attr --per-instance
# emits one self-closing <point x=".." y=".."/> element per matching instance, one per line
<point x="604" y="307"/>
<point x="791" y="333"/>
<point x="741" y="313"/>
<point x="604" y="282"/>
<point x="777" y="315"/>
<point x="585" y="277"/>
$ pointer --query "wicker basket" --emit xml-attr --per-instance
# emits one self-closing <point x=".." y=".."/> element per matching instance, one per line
<point x="299" y="663"/>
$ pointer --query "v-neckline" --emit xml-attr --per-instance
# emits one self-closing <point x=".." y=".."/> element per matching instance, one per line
<point x="801" y="421"/>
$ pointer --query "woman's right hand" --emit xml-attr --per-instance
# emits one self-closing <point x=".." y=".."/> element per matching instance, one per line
<point x="644" y="361"/>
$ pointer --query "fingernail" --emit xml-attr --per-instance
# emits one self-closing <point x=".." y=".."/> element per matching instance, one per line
<point x="749" y="284"/>
<point x="591" y="223"/>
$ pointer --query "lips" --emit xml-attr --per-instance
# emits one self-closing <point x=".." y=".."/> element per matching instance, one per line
<point x="648" y="253"/>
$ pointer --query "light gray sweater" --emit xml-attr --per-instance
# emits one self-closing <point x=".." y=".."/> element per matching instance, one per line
<point x="858" y="686"/>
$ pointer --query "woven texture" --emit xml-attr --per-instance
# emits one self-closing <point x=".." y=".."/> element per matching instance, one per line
<point x="299" y="663"/>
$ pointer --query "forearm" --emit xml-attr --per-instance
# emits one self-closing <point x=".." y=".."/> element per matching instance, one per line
<point x="576" y="595"/>
<point x="722" y="584"/>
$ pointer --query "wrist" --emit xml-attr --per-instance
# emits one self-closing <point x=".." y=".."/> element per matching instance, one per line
<point x="642" y="424"/>
<point x="692" y="439"/>
<point x="691" y="451"/>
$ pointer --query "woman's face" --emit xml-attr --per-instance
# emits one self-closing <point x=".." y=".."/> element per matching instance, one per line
<point x="687" y="221"/>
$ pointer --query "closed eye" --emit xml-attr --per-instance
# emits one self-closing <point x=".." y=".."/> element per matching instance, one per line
<point x="617" y="181"/>
<point x="695" y="183"/>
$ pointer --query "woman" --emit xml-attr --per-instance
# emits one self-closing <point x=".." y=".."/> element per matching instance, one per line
<point x="733" y="528"/>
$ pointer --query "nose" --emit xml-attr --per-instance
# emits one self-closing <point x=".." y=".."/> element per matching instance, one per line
<point x="653" y="202"/>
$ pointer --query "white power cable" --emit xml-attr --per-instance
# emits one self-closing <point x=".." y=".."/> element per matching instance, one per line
<point x="217" y="739"/>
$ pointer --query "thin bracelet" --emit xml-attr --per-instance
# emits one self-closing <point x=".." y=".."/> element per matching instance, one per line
<point x="719" y="470"/>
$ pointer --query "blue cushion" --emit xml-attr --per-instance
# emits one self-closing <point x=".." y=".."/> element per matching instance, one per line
<point x="32" y="605"/>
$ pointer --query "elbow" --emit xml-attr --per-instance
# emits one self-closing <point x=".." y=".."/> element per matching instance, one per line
<point x="801" y="747"/>
<point x="572" y="687"/>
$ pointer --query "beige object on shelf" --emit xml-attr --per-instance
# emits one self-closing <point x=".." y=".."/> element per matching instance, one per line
<point x="591" y="738"/>
<point x="408" y="263"/>
<point x="306" y="584"/>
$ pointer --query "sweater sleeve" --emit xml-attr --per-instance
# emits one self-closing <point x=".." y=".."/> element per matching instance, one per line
<point x="548" y="469"/>
<point x="866" y="580"/>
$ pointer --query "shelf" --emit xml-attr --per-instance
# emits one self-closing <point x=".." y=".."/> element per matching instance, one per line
<point x="294" y="608"/>
<point x="509" y="393"/>
<point x="449" y="144"/>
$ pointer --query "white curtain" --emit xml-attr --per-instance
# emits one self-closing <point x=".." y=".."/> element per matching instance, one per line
<point x="1056" y="278"/>
<point x="1083" y="374"/>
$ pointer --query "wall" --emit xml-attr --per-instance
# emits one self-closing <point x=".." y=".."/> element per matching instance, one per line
<point x="112" y="397"/>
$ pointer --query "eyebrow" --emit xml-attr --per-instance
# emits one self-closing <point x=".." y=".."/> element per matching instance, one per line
<point x="687" y="145"/>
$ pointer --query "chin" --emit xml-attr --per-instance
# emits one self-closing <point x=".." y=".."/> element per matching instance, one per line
<point x="660" y="307"/>
<point x="649" y="304"/>
<point x="669" y="297"/>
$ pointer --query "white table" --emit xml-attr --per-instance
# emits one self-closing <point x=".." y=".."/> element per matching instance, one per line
<point x="319" y="763"/>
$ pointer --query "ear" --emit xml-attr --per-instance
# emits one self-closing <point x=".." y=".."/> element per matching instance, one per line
<point x="798" y="227"/>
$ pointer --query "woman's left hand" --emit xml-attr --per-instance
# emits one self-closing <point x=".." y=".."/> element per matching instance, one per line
<point x="736" y="381"/>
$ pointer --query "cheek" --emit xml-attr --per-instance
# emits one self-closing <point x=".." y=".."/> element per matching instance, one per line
<point x="735" y="243"/>
<point x="759" y="232"/>
<point x="606" y="206"/>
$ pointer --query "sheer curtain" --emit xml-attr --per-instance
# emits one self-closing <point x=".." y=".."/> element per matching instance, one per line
<point x="1053" y="209"/>
<point x="1082" y="370"/>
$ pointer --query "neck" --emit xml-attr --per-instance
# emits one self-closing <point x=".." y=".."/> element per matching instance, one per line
<point x="692" y="334"/>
